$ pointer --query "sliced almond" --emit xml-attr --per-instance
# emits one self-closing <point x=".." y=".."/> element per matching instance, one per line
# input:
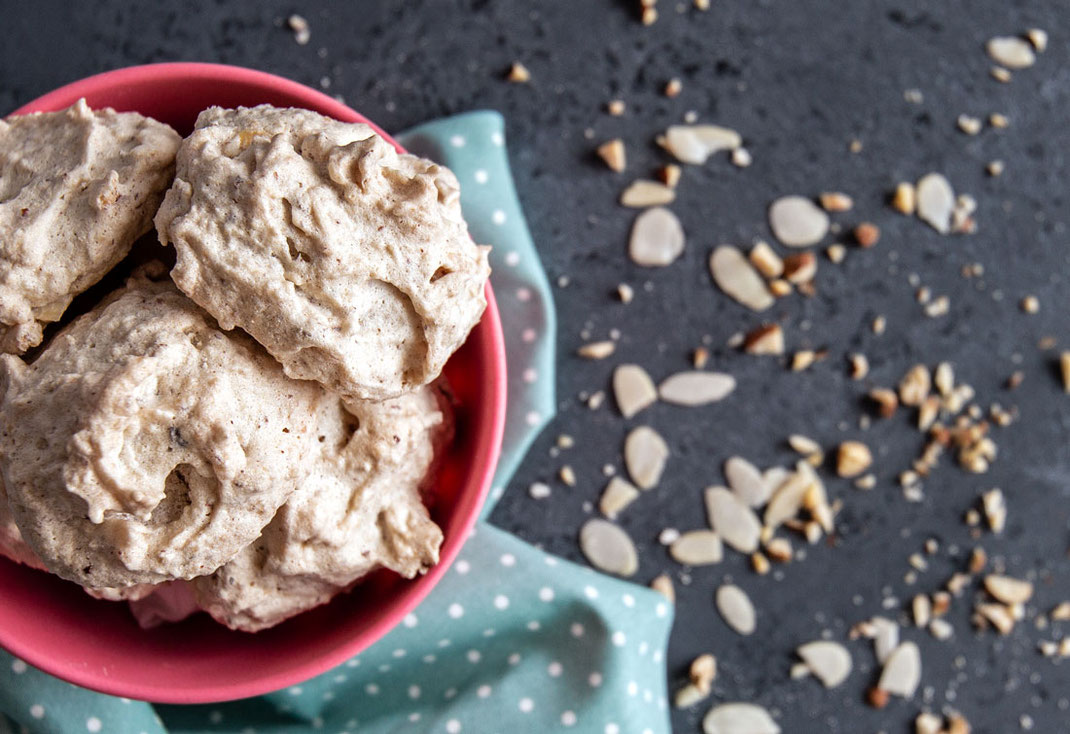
<point x="612" y="152"/>
<point x="696" y="388"/>
<point x="902" y="671"/>
<point x="644" y="192"/>
<point x="608" y="548"/>
<point x="633" y="389"/>
<point x="697" y="548"/>
<point x="935" y="202"/>
<point x="765" y="259"/>
<point x="830" y="662"/>
<point x="597" y="350"/>
<point x="1008" y="590"/>
<point x="733" y="520"/>
<point x="1011" y="52"/>
<point x="657" y="238"/>
<point x="739" y="718"/>
<point x="617" y="495"/>
<point x="797" y="222"/>
<point x="852" y="459"/>
<point x="736" y="608"/>
<point x="734" y="275"/>
<point x="746" y="482"/>
<point x="645" y="454"/>
<point x="767" y="339"/>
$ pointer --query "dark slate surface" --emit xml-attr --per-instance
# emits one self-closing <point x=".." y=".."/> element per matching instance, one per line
<point x="799" y="79"/>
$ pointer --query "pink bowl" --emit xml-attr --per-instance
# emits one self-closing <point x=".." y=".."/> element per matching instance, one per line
<point x="56" y="627"/>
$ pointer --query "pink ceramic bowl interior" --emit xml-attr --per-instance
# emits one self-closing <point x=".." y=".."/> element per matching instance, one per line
<point x="55" y="626"/>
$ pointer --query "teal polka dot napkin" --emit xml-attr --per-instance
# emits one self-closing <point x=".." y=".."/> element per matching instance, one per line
<point x="512" y="639"/>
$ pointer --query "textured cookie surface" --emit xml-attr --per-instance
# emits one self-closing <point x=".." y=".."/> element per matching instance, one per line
<point x="77" y="187"/>
<point x="144" y="444"/>
<point x="360" y="509"/>
<point x="350" y="263"/>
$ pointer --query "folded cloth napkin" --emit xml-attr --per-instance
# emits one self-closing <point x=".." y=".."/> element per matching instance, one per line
<point x="512" y="639"/>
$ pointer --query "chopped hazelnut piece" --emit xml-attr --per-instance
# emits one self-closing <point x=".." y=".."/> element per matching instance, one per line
<point x="625" y="293"/>
<point x="853" y="458"/>
<point x="914" y="387"/>
<point x="995" y="168"/>
<point x="780" y="287"/>
<point x="766" y="339"/>
<point x="886" y="401"/>
<point x="612" y="152"/>
<point x="518" y="73"/>
<point x="867" y="234"/>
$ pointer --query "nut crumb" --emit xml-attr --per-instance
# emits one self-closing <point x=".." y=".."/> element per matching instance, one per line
<point x="518" y="73"/>
<point x="299" y="26"/>
<point x="616" y="107"/>
<point x="836" y="201"/>
<point x="766" y="339"/>
<point x="613" y="154"/>
<point x="867" y="234"/>
<point x="670" y="175"/>
<point x="673" y="88"/>
<point x="1030" y="304"/>
<point x="905" y="198"/>
<point x="1000" y="74"/>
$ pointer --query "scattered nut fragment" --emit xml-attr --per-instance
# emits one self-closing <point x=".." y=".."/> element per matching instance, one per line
<point x="697" y="548"/>
<point x="853" y="458"/>
<point x="1061" y="613"/>
<point x="702" y="4"/>
<point x="688" y="696"/>
<point x="766" y="339"/>
<point x="741" y="158"/>
<point x="928" y="412"/>
<point x="904" y="200"/>
<point x="518" y="73"/>
<point x="614" y="155"/>
<point x="673" y="88"/>
<point x="616" y="107"/>
<point x="1000" y="74"/>
<point x="879" y="325"/>
<point x="797" y="222"/>
<point x="935" y="202"/>
<point x="642" y="193"/>
<point x="567" y="476"/>
<point x="835" y="201"/>
<point x="696" y="388"/>
<point x="803" y="359"/>
<point x="625" y="293"/>
<point x="633" y="389"/>
<point x="1011" y="52"/>
<point x="902" y="671"/>
<point x="1039" y="39"/>
<point x="922" y="609"/>
<point x="998" y="120"/>
<point x="978" y="560"/>
<point x="938" y="307"/>
<point x="608" y="548"/>
<point x="1064" y="369"/>
<point x="886" y="400"/>
<point x="699" y="357"/>
<point x="995" y="509"/>
<point x="800" y="267"/>
<point x="1030" y="304"/>
<point x="765" y="260"/>
<point x="649" y="15"/>
<point x="1008" y="590"/>
<point x="301" y="31"/>
<point x="693" y="144"/>
<point x="597" y="350"/>
<point x="941" y="629"/>
<point x="734" y="275"/>
<point x="859" y="366"/>
<point x="866" y="482"/>
<point x="914" y="387"/>
<point x="780" y="288"/>
<point x="867" y="234"/>
<point x="617" y="495"/>
<point x="779" y="549"/>
<point x="663" y="585"/>
<point x="645" y="454"/>
<point x="828" y="661"/>
<point x="804" y="444"/>
<point x="969" y="125"/>
<point x="998" y="615"/>
<point x="703" y="671"/>
<point x="657" y="238"/>
<point x="539" y="490"/>
<point x="995" y="168"/>
<point x="739" y="718"/>
<point x="736" y="608"/>
<point x="670" y="175"/>
<point x="927" y="723"/>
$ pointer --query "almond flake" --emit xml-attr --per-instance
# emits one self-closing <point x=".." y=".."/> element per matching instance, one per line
<point x="645" y="454"/>
<point x="830" y="662"/>
<point x="617" y="495"/>
<point x="696" y="388"/>
<point x="779" y="549"/>
<point x="902" y="671"/>
<point x="736" y="609"/>
<point x="695" y="143"/>
<point x="765" y="259"/>
<point x="935" y="202"/>
<point x="1000" y="74"/>
<point x="633" y="389"/>
<point x="1008" y="590"/>
<point x="766" y="339"/>
<point x="663" y="585"/>
<point x="904" y="200"/>
<point x="697" y="548"/>
<point x="739" y="718"/>
<point x="642" y="193"/>
<point x="734" y="275"/>
<point x="835" y="201"/>
<point x="613" y="153"/>
<point x="608" y="548"/>
<point x="1011" y="52"/>
<point x="597" y="350"/>
<point x="797" y="222"/>
<point x="733" y="520"/>
<point x="746" y="482"/>
<point x="657" y="238"/>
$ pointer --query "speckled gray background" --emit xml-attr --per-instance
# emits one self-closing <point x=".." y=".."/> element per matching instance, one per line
<point x="799" y="79"/>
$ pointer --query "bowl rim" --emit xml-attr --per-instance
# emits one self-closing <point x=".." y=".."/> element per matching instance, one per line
<point x="488" y="447"/>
